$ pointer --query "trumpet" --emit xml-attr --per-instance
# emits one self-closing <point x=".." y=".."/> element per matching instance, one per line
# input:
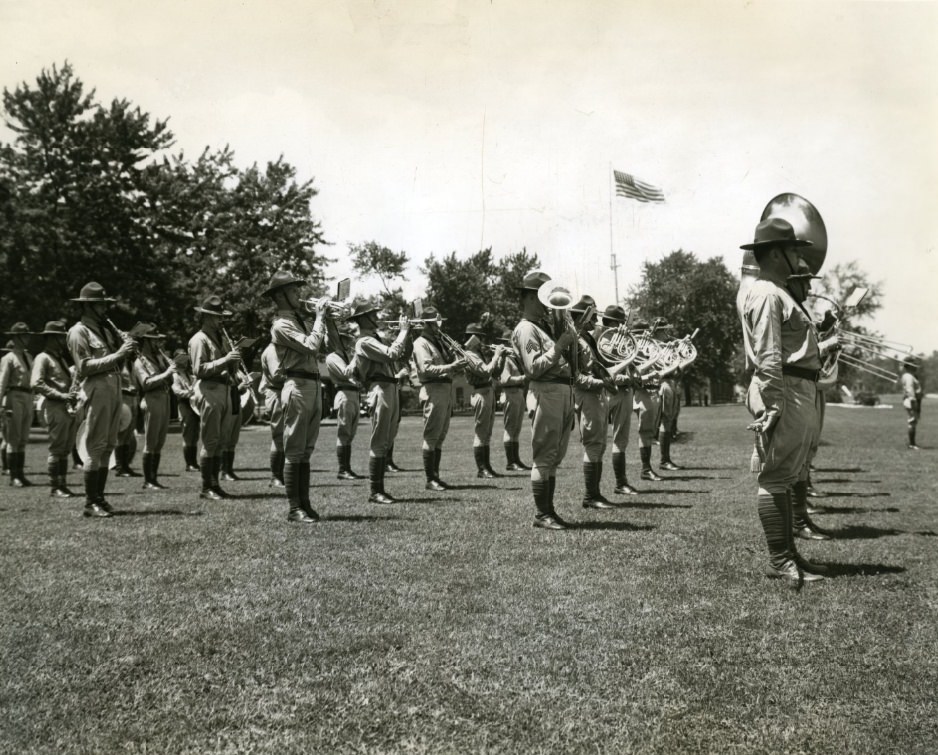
<point x="337" y="310"/>
<point x="396" y="324"/>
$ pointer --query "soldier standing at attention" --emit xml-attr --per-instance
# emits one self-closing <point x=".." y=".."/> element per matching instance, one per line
<point x="481" y="375"/>
<point x="298" y="348"/>
<point x="911" y="398"/>
<point x="648" y="406"/>
<point x="153" y="376"/>
<point x="184" y="390"/>
<point x="782" y="351"/>
<point x="376" y="365"/>
<point x="347" y="402"/>
<point x="435" y="365"/>
<point x="512" y="381"/>
<point x="98" y="354"/>
<point x="669" y="398"/>
<point x="214" y="370"/>
<point x="52" y="380"/>
<point x="620" y="409"/>
<point x="550" y="395"/>
<point x="271" y="386"/>
<point x="16" y="397"/>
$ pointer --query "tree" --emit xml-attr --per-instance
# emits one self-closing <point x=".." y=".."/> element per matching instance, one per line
<point x="464" y="290"/>
<point x="370" y="258"/>
<point x="691" y="294"/>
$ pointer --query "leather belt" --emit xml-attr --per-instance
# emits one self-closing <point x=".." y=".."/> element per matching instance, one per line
<point x="800" y="372"/>
<point x="555" y="381"/>
<point x="382" y="379"/>
<point x="219" y="381"/>
<point x="19" y="388"/>
<point x="304" y="374"/>
<point x="480" y="386"/>
<point x="429" y="381"/>
<point x="346" y="387"/>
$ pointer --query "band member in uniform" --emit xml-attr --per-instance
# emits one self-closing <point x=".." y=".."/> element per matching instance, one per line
<point x="912" y="396"/>
<point x="620" y="408"/>
<point x="590" y="387"/>
<point x="127" y="435"/>
<point x="16" y="396"/>
<point x="782" y="351"/>
<point x="52" y="380"/>
<point x="648" y="407"/>
<point x="4" y="420"/>
<point x="98" y="353"/>
<point x="270" y="388"/>
<point x="343" y="371"/>
<point x="153" y="374"/>
<point x="214" y="369"/>
<point x="669" y="398"/>
<point x="376" y="364"/>
<point x="402" y="373"/>
<point x="435" y="366"/>
<point x="184" y="390"/>
<point x="550" y="395"/>
<point x="481" y="376"/>
<point x="298" y="348"/>
<point x="513" y="385"/>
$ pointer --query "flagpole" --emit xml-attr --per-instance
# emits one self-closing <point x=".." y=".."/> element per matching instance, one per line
<point x="612" y="252"/>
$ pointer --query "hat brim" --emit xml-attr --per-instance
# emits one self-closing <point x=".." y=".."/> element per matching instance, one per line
<point x="272" y="289"/>
<point x="23" y="333"/>
<point x="52" y="333"/>
<point x="367" y="312"/>
<point x="223" y="313"/>
<point x="776" y="242"/>
<point x="104" y="298"/>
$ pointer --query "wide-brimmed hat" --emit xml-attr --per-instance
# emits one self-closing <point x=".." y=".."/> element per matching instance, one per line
<point x="54" y="328"/>
<point x="474" y="329"/>
<point x="505" y="337"/>
<point x="533" y="280"/>
<point x="614" y="314"/>
<point x="8" y="346"/>
<point x="641" y="325"/>
<point x="19" y="329"/>
<point x="282" y="279"/>
<point x="583" y="304"/>
<point x="775" y="232"/>
<point x="362" y="309"/>
<point x="431" y="313"/>
<point x="213" y="306"/>
<point x="145" y="330"/>
<point x="93" y="291"/>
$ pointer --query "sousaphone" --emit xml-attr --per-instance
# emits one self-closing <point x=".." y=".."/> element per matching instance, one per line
<point x="807" y="223"/>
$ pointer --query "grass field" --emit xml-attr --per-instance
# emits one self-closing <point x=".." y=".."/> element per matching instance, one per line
<point x="447" y="623"/>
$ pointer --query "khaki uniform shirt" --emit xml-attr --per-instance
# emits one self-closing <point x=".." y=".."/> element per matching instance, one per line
<point x="297" y="349"/>
<point x="374" y="358"/>
<point x="205" y="355"/>
<point x="50" y="377"/>
<point x="15" y="372"/>
<point x="512" y="375"/>
<point x="430" y="360"/>
<point x="145" y="372"/>
<point x="340" y="373"/>
<point x="540" y="359"/>
<point x="271" y="377"/>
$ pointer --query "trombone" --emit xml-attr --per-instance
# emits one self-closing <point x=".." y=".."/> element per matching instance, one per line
<point x="472" y="360"/>
<point x="396" y="324"/>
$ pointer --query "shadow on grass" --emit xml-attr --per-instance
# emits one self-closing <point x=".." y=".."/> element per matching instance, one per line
<point x="863" y="532"/>
<point x="684" y="478"/>
<point x="651" y="505"/>
<point x="862" y="570"/>
<point x="363" y="518"/>
<point x="158" y="512"/>
<point x="616" y="526"/>
<point x="844" y="480"/>
<point x="853" y="494"/>
<point x="476" y="487"/>
<point x="651" y="491"/>
<point x="839" y="469"/>
<point x="712" y="469"/>
<point x="854" y="510"/>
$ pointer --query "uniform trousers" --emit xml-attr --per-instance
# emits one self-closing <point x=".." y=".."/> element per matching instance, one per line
<point x="61" y="426"/>
<point x="591" y="410"/>
<point x="550" y="407"/>
<point x="648" y="408"/>
<point x="670" y="403"/>
<point x="620" y="415"/>
<point x="216" y="415"/>
<point x="787" y="444"/>
<point x="155" y="408"/>
<point x="19" y="420"/>
<point x="437" y="403"/>
<point x="483" y="405"/>
<point x="274" y="409"/>
<point x="347" y="406"/>
<point x="189" y="423"/>
<point x="385" y="416"/>
<point x="102" y="417"/>
<point x="301" y="399"/>
<point x="513" y="413"/>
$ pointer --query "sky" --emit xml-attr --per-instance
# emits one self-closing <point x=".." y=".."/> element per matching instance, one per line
<point x="446" y="126"/>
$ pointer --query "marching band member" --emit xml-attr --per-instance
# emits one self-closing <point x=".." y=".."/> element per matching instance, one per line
<point x="375" y="368"/>
<point x="591" y="406"/>
<point x="98" y="353"/>
<point x="270" y="388"/>
<point x="648" y="408"/>
<point x="298" y="348"/>
<point x="52" y="380"/>
<point x="550" y="396"/>
<point x="16" y="396"/>
<point x="4" y="421"/>
<point x="184" y="389"/>
<point x="242" y="405"/>
<point x="912" y="395"/>
<point x="126" y="436"/>
<point x="513" y="382"/>
<point x="620" y="403"/>
<point x="782" y="351"/>
<point x="435" y="365"/>
<point x="669" y="399"/>
<point x="481" y="375"/>
<point x="343" y="371"/>
<point x="154" y="376"/>
<point x="401" y="372"/>
<point x="213" y="369"/>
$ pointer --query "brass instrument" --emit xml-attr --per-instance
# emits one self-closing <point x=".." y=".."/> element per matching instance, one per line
<point x="396" y="324"/>
<point x="336" y="310"/>
<point x="250" y="400"/>
<point x="472" y="360"/>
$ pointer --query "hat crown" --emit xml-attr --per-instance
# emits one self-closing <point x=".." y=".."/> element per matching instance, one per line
<point x="281" y="279"/>
<point x="584" y="303"/>
<point x="474" y="329"/>
<point x="213" y="304"/>
<point x="775" y="230"/>
<point x="614" y="312"/>
<point x="55" y="327"/>
<point x="19" y="328"/>
<point x="534" y="280"/>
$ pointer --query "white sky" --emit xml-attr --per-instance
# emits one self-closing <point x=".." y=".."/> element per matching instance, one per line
<point x="461" y="124"/>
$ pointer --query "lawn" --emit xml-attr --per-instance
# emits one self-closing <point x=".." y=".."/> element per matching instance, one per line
<point x="447" y="623"/>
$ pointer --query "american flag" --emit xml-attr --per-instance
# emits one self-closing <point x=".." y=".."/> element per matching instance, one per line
<point x="629" y="186"/>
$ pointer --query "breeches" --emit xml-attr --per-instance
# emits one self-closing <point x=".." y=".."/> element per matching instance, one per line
<point x="301" y="400"/>
<point x="648" y="408"/>
<point x="215" y="409"/>
<point x="62" y="427"/>
<point x="235" y="433"/>
<point x="620" y="414"/>
<point x="189" y="422"/>
<point x="155" y="407"/>
<point x="102" y="418"/>
<point x="127" y="434"/>
<point x="788" y="442"/>
<point x="275" y="412"/>
<point x="513" y="413"/>
<point x="591" y="409"/>
<point x="670" y="403"/>
<point x="384" y="417"/>
<point x="550" y="407"/>
<point x="20" y="420"/>
<point x="483" y="404"/>
<point x="347" y="407"/>
<point x="437" y="400"/>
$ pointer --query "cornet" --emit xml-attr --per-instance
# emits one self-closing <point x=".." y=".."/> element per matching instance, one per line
<point x="336" y="310"/>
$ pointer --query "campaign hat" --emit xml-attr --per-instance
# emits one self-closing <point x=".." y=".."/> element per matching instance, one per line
<point x="282" y="279"/>
<point x="54" y="328"/>
<point x="474" y="329"/>
<point x="93" y="291"/>
<point x="775" y="232"/>
<point x="533" y="281"/>
<point x="362" y="309"/>
<point x="19" y="329"/>
<point x="614" y="315"/>
<point x="212" y="305"/>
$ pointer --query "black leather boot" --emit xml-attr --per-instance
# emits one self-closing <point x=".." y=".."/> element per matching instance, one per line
<point x="437" y="458"/>
<point x="665" y="446"/>
<point x="305" y="503"/>
<point x="390" y="466"/>
<point x="647" y="472"/>
<point x="487" y="456"/>
<point x="229" y="475"/>
<point x="544" y="516"/>
<point x="344" y="472"/>
<point x="429" y="461"/>
<point x="622" y="480"/>
<point x="64" y="492"/>
<point x="592" y="498"/>
<point x="92" y="507"/>
<point x="478" y="452"/>
<point x="376" y="480"/>
<point x="191" y="457"/>
<point x="292" y="480"/>
<point x="802" y="525"/>
<point x="208" y="489"/>
<point x="216" y="465"/>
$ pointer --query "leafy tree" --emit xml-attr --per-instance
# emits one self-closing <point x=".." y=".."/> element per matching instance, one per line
<point x="692" y="294"/>
<point x="370" y="258"/>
